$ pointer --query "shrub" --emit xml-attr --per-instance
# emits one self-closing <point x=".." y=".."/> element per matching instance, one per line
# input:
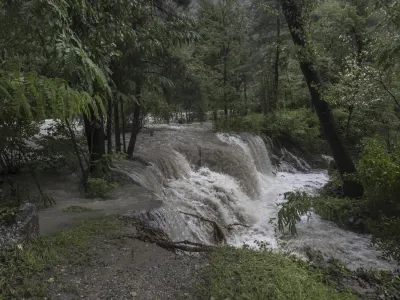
<point x="99" y="187"/>
<point x="300" y="125"/>
<point x="379" y="173"/>
<point x="251" y="123"/>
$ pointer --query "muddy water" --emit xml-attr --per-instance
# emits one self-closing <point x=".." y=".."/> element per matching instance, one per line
<point x="229" y="179"/>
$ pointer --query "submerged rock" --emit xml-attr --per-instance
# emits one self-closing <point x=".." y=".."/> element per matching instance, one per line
<point x="25" y="227"/>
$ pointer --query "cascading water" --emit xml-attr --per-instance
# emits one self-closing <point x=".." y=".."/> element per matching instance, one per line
<point x="229" y="179"/>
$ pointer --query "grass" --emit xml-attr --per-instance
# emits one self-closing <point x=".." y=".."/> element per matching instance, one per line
<point x="244" y="274"/>
<point x="77" y="209"/>
<point x="24" y="270"/>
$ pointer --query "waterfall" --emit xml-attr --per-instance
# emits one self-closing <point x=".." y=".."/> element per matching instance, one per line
<point x="228" y="179"/>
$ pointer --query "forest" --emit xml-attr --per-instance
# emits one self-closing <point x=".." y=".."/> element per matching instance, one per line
<point x="313" y="76"/>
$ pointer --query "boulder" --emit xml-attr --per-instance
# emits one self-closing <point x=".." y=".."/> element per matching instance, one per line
<point x="24" y="228"/>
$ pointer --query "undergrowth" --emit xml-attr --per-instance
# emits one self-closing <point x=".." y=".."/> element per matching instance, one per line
<point x="246" y="274"/>
<point x="253" y="123"/>
<point x="300" y="126"/>
<point x="99" y="187"/>
<point x="23" y="269"/>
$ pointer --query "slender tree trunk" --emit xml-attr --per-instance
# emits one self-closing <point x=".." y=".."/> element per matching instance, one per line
<point x="290" y="85"/>
<point x="109" y="126"/>
<point x="245" y="96"/>
<point x="135" y="123"/>
<point x="123" y="127"/>
<point x="345" y="164"/>
<point x="225" y="81"/>
<point x="96" y="143"/>
<point x="117" y="128"/>
<point x="277" y="58"/>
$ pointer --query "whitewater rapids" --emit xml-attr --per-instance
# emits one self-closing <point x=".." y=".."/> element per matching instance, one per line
<point x="229" y="179"/>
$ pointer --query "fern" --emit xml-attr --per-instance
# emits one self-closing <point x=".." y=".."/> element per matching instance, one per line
<point x="40" y="97"/>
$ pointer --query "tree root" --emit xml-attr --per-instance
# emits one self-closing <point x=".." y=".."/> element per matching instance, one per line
<point x="219" y="235"/>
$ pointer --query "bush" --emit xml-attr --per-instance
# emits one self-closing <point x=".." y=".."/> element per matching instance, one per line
<point x="300" y="125"/>
<point x="99" y="187"/>
<point x="251" y="123"/>
<point x="379" y="173"/>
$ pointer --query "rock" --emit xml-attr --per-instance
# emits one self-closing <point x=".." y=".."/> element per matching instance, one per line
<point x="133" y="294"/>
<point x="24" y="228"/>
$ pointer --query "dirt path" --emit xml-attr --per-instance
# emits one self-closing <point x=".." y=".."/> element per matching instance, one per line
<point x="128" y="269"/>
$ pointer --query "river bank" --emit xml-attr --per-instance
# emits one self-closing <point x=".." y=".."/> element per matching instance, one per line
<point x="102" y="259"/>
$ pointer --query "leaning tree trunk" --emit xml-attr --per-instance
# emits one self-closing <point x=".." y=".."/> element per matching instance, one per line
<point x="135" y="123"/>
<point x="345" y="164"/>
<point x="96" y="143"/>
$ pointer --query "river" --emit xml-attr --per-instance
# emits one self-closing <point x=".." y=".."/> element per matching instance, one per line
<point x="229" y="179"/>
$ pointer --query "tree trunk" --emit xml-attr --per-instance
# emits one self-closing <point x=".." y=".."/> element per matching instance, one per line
<point x="344" y="162"/>
<point x="135" y="123"/>
<point x="225" y="81"/>
<point x="245" y="95"/>
<point x="117" y="129"/>
<point x="96" y="142"/>
<point x="109" y="126"/>
<point x="276" y="64"/>
<point x="351" y="108"/>
<point x="123" y="127"/>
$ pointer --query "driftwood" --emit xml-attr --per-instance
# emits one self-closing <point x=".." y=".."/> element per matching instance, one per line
<point x="155" y="235"/>
<point x="186" y="246"/>
<point x="183" y="245"/>
<point x="219" y="235"/>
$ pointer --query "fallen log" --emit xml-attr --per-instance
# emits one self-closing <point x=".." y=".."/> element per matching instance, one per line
<point x="185" y="246"/>
<point x="219" y="235"/>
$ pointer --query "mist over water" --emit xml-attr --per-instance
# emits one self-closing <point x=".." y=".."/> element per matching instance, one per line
<point x="229" y="179"/>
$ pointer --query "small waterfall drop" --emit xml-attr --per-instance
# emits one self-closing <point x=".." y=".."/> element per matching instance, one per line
<point x="204" y="177"/>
